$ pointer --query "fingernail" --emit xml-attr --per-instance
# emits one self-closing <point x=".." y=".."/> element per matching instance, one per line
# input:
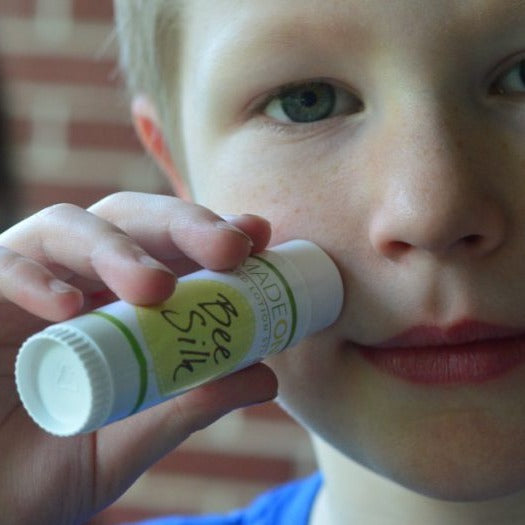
<point x="223" y="225"/>
<point x="58" y="286"/>
<point x="150" y="262"/>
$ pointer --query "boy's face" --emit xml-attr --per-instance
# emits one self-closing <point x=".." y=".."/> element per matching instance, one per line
<point x="392" y="134"/>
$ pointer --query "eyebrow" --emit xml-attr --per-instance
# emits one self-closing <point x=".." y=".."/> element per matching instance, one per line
<point x="336" y="32"/>
<point x="349" y="28"/>
<point x="494" y="12"/>
<point x="241" y="41"/>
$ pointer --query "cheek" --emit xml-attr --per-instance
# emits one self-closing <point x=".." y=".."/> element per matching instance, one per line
<point x="320" y="386"/>
<point x="305" y="193"/>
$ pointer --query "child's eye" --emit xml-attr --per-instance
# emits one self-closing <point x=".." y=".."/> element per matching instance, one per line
<point x="311" y="102"/>
<point x="511" y="82"/>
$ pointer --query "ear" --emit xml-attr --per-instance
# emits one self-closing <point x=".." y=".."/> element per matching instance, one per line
<point x="147" y="126"/>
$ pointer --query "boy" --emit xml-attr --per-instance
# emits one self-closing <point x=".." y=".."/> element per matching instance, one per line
<point x="391" y="134"/>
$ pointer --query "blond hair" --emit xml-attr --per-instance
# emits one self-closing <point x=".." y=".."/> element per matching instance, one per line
<point x="148" y="33"/>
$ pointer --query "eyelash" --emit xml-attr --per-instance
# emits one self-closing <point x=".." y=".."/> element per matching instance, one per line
<point x="505" y="73"/>
<point x="281" y="91"/>
<point x="496" y="89"/>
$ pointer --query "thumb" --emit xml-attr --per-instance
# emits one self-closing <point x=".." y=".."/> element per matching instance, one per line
<point x="126" y="449"/>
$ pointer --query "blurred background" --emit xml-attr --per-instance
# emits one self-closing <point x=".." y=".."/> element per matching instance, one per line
<point x="64" y="108"/>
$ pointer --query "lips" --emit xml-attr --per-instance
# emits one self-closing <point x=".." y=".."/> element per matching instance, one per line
<point x="465" y="353"/>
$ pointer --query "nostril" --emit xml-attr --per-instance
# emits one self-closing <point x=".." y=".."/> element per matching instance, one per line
<point x="395" y="248"/>
<point x="399" y="246"/>
<point x="472" y="240"/>
<point x="443" y="229"/>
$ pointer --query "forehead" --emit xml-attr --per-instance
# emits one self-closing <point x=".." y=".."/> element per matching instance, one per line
<point x="220" y="35"/>
<point x="297" y="15"/>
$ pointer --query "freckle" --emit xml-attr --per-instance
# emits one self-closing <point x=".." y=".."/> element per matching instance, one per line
<point x="460" y="143"/>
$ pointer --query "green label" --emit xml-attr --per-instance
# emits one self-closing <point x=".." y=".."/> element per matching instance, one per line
<point x="203" y="330"/>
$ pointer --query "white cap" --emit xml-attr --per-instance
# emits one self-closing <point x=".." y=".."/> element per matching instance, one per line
<point x="64" y="381"/>
<point x="324" y="285"/>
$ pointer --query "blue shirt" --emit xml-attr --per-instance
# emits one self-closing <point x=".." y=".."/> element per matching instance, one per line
<point x="285" y="505"/>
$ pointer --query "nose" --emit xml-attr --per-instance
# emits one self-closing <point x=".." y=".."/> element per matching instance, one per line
<point x="435" y="195"/>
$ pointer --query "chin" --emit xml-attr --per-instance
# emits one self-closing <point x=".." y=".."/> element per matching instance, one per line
<point x="467" y="460"/>
<point x="458" y="458"/>
<point x="466" y="463"/>
<point x="460" y="486"/>
<point x="456" y="444"/>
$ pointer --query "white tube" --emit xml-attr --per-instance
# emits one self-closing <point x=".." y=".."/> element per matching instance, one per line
<point x="79" y="375"/>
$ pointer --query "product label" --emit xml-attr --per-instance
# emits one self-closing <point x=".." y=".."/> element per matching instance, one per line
<point x="274" y="304"/>
<point x="202" y="331"/>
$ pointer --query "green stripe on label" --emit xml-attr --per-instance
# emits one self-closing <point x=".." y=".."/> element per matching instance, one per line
<point x="289" y="293"/>
<point x="137" y="352"/>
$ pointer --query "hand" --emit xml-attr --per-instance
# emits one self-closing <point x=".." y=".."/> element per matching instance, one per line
<point x="65" y="260"/>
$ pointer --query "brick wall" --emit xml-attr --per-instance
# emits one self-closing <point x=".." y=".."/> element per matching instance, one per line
<point x="72" y="141"/>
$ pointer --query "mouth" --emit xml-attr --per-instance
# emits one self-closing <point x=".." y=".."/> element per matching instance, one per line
<point x="464" y="353"/>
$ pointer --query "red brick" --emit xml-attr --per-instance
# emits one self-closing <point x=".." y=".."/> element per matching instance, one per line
<point x="99" y="10"/>
<point x="269" y="411"/>
<point x="103" y="135"/>
<point x="38" y="195"/>
<point x="25" y="8"/>
<point x="84" y="135"/>
<point x="117" y="515"/>
<point x="60" y="70"/>
<point x="208" y="464"/>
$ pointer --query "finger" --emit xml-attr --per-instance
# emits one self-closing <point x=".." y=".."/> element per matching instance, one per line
<point x="168" y="228"/>
<point x="257" y="228"/>
<point x="33" y="287"/>
<point x="68" y="237"/>
<point x="131" y="446"/>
